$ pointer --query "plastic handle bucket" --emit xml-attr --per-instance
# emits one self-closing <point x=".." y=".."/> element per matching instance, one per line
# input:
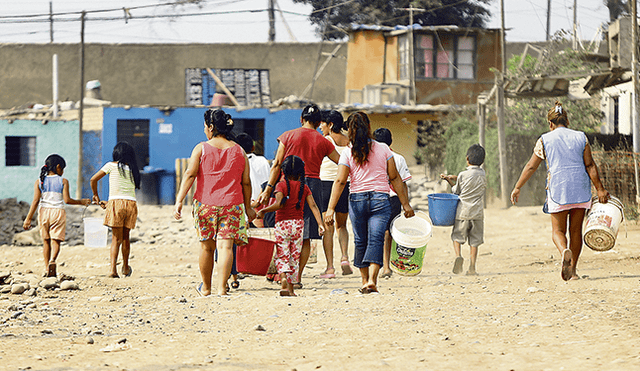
<point x="95" y="233"/>
<point x="603" y="222"/>
<point x="255" y="256"/>
<point x="442" y="208"/>
<point x="410" y="238"/>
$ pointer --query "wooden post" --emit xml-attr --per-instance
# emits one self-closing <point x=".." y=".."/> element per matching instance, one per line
<point x="634" y="101"/>
<point x="502" y="140"/>
<point x="81" y="111"/>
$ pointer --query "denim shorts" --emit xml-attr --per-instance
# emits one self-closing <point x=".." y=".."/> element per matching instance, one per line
<point x="369" y="213"/>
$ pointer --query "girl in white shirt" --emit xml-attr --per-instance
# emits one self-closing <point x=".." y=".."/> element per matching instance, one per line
<point x="122" y="209"/>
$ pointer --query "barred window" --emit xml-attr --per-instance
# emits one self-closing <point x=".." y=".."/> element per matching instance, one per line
<point x="20" y="151"/>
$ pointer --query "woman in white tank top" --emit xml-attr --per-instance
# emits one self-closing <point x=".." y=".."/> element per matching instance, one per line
<point x="332" y="126"/>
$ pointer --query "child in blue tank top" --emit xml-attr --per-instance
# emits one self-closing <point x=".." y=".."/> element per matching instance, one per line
<point x="51" y="192"/>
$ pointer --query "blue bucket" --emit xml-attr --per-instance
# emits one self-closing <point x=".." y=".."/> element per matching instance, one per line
<point x="442" y="208"/>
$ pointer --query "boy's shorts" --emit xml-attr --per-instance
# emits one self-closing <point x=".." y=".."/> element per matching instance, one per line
<point x="220" y="222"/>
<point x="396" y="209"/>
<point x="53" y="223"/>
<point x="121" y="213"/>
<point x="472" y="230"/>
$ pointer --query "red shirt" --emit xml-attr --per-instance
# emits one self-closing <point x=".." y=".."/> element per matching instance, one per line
<point x="219" y="180"/>
<point x="289" y="210"/>
<point x="309" y="145"/>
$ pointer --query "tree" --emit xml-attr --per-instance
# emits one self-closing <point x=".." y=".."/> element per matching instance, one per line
<point x="617" y="8"/>
<point x="332" y="19"/>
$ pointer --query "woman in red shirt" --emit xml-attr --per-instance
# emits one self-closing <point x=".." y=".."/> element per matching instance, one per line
<point x="308" y="144"/>
<point x="222" y="197"/>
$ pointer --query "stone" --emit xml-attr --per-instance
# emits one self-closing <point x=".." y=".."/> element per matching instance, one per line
<point x="18" y="288"/>
<point x="49" y="283"/>
<point x="260" y="328"/>
<point x="30" y="292"/>
<point x="69" y="285"/>
<point x="27" y="238"/>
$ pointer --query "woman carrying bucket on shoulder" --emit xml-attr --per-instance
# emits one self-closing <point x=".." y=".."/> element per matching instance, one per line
<point x="122" y="209"/>
<point x="571" y="170"/>
<point x="371" y="167"/>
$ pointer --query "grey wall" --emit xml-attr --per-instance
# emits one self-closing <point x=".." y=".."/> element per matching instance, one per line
<point x="154" y="74"/>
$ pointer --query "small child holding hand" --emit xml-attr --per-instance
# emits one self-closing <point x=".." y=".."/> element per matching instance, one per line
<point x="470" y="185"/>
<point x="291" y="194"/>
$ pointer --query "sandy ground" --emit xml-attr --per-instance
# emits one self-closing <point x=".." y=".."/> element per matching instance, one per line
<point x="516" y="315"/>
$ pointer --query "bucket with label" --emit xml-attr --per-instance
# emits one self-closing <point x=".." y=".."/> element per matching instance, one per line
<point x="409" y="243"/>
<point x="442" y="208"/>
<point x="95" y="232"/>
<point x="603" y="222"/>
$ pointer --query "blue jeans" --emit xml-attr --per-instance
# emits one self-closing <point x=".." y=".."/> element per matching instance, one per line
<point x="369" y="213"/>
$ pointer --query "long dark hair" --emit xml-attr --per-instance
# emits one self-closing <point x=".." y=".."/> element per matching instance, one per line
<point x="50" y="164"/>
<point x="359" y="136"/>
<point x="124" y="154"/>
<point x="220" y="123"/>
<point x="293" y="167"/>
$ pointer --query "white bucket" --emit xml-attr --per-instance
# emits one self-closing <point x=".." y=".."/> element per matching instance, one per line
<point x="410" y="238"/>
<point x="603" y="222"/>
<point x="95" y="233"/>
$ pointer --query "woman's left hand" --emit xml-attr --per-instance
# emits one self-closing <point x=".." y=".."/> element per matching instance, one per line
<point x="408" y="211"/>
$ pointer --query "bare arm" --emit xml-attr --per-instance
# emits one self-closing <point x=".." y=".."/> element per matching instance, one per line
<point x="34" y="205"/>
<point x="70" y="201"/>
<point x="94" y="185"/>
<point x="273" y="175"/>
<point x="451" y="179"/>
<point x="592" y="170"/>
<point x="316" y="213"/>
<point x="336" y="191"/>
<point x="246" y="191"/>
<point x="274" y="206"/>
<point x="334" y="156"/>
<point x="527" y="172"/>
<point x="399" y="187"/>
<point x="187" y="179"/>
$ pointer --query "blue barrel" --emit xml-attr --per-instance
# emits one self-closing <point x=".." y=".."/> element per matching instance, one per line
<point x="442" y="208"/>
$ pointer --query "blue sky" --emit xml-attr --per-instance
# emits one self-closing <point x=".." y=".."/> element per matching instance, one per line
<point x="526" y="20"/>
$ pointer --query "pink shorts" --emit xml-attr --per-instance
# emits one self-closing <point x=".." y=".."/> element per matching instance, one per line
<point x="53" y="223"/>
<point x="220" y="222"/>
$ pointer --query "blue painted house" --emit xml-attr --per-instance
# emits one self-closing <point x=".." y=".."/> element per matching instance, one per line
<point x="161" y="135"/>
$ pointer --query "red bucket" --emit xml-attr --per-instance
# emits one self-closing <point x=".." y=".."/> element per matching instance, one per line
<point x="255" y="257"/>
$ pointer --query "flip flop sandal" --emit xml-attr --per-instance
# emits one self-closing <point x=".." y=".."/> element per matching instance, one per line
<point x="199" y="289"/>
<point x="235" y="284"/>
<point x="51" y="272"/>
<point x="457" y="265"/>
<point x="297" y="285"/>
<point x="386" y="275"/>
<point x="346" y="268"/>
<point x="327" y="275"/>
<point x="128" y="274"/>
<point x="565" y="273"/>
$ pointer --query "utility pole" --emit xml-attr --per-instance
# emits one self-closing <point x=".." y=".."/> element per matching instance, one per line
<point x="548" y="20"/>
<point x="272" y="22"/>
<point x="502" y="139"/>
<point x="81" y="112"/>
<point x="634" y="101"/>
<point x="575" y="24"/>
<point x="51" y="21"/>
<point x="412" y="67"/>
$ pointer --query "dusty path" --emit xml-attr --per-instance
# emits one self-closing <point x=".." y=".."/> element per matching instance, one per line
<point x="516" y="315"/>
